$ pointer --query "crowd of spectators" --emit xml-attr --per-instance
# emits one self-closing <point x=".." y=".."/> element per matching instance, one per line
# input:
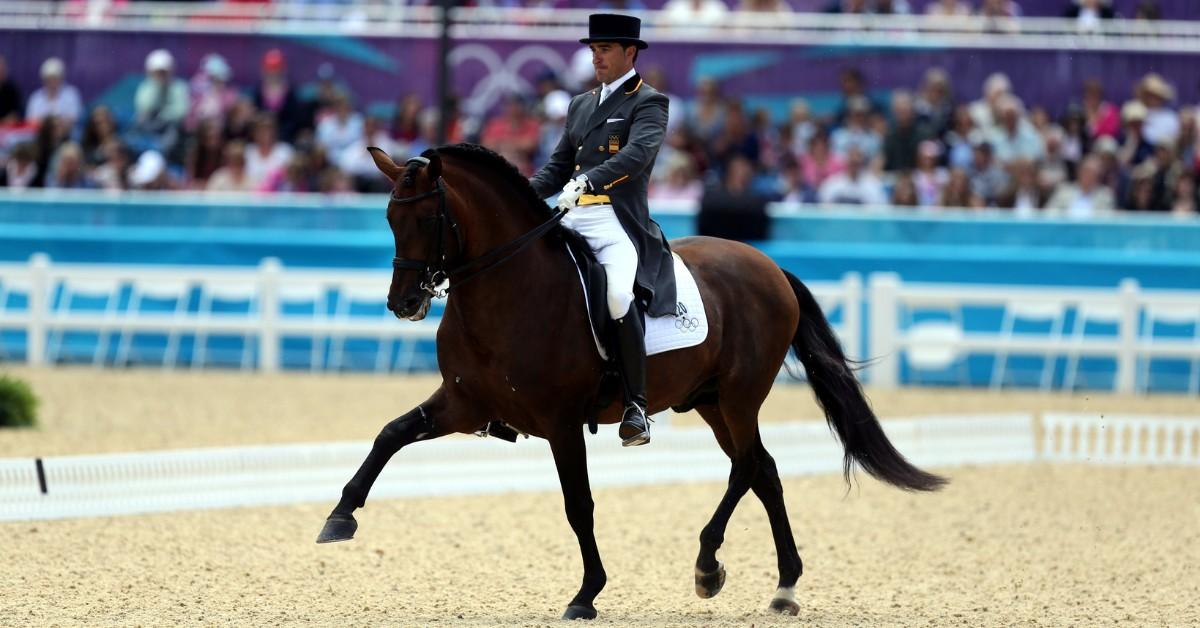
<point x="203" y="133"/>
<point x="925" y="147"/>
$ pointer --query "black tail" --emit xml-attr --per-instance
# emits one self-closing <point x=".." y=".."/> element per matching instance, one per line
<point x="846" y="409"/>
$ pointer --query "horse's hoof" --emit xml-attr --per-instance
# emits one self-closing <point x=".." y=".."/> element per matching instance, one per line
<point x="338" y="528"/>
<point x="785" y="602"/>
<point x="785" y="607"/>
<point x="575" y="611"/>
<point x="709" y="584"/>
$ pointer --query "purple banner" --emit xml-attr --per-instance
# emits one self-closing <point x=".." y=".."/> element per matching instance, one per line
<point x="1168" y="9"/>
<point x="106" y="66"/>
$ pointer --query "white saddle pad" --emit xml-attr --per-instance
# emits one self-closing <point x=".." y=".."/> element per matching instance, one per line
<point x="688" y="327"/>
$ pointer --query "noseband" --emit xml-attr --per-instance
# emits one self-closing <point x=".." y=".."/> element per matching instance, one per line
<point x="434" y="271"/>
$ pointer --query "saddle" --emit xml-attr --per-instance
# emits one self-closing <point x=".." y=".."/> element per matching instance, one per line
<point x="595" y="291"/>
<point x="687" y="327"/>
<point x="595" y="296"/>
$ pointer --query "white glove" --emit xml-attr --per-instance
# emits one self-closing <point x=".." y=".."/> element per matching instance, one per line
<point x="571" y="192"/>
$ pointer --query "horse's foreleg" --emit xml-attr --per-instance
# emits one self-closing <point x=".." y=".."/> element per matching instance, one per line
<point x="570" y="456"/>
<point x="420" y="423"/>
<point x="769" y="490"/>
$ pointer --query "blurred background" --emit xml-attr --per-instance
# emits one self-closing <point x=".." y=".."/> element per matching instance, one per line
<point x="985" y="193"/>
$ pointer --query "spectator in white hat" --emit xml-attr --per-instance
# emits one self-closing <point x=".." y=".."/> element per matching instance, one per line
<point x="150" y="172"/>
<point x="1162" y="122"/>
<point x="1136" y="148"/>
<point x="161" y="101"/>
<point x="984" y="110"/>
<point x="212" y="95"/>
<point x="56" y="97"/>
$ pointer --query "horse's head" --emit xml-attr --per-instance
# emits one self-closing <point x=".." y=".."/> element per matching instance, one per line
<point x="423" y="229"/>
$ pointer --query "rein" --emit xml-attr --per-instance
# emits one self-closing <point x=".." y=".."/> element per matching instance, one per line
<point x="434" y="269"/>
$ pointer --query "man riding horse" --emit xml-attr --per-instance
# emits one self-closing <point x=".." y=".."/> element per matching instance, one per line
<point x="603" y="163"/>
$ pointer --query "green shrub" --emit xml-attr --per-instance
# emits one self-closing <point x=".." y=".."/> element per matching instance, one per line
<point x="18" y="405"/>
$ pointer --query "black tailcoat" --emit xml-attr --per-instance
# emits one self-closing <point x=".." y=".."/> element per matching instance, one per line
<point x="615" y="146"/>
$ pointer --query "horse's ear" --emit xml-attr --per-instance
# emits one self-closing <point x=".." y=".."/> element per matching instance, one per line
<point x="384" y="162"/>
<point x="435" y="166"/>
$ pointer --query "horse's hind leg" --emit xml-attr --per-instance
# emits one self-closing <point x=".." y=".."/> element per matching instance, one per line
<point x="770" y="492"/>
<point x="767" y="487"/>
<point x="710" y="573"/>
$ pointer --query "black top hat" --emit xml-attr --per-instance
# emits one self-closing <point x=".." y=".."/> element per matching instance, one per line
<point x="621" y="29"/>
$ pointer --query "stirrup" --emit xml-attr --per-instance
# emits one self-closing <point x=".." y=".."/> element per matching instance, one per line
<point x="643" y="435"/>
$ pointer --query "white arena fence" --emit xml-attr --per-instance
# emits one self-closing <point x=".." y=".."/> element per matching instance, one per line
<point x="161" y="481"/>
<point x="270" y="318"/>
<point x="1132" y="326"/>
<point x="44" y="301"/>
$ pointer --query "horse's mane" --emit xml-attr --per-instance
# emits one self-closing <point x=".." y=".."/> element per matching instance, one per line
<point x="488" y="160"/>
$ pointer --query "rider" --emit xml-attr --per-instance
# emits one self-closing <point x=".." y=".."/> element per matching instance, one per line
<point x="603" y="163"/>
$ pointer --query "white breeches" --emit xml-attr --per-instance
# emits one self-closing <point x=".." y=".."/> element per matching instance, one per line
<point x="598" y="225"/>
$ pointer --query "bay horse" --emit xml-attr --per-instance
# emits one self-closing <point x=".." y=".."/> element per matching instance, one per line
<point x="515" y="345"/>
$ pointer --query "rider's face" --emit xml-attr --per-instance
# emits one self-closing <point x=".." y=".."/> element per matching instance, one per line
<point x="611" y="60"/>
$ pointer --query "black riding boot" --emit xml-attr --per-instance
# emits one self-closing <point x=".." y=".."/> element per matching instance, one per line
<point x="631" y="346"/>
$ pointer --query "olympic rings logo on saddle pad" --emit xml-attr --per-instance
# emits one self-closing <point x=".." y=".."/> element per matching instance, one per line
<point x="683" y="322"/>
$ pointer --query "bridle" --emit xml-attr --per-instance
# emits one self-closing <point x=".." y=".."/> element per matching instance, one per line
<point x="434" y="270"/>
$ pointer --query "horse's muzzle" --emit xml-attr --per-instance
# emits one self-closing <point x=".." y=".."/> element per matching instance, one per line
<point x="412" y="308"/>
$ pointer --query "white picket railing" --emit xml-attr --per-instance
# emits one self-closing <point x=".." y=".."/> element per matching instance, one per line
<point x="1127" y="307"/>
<point x="1119" y="439"/>
<point x="264" y="325"/>
<point x="890" y="338"/>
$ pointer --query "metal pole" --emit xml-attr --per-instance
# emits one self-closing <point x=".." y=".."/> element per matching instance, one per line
<point x="443" y="84"/>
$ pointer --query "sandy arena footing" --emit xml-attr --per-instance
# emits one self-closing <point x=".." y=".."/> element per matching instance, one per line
<point x="1027" y="545"/>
